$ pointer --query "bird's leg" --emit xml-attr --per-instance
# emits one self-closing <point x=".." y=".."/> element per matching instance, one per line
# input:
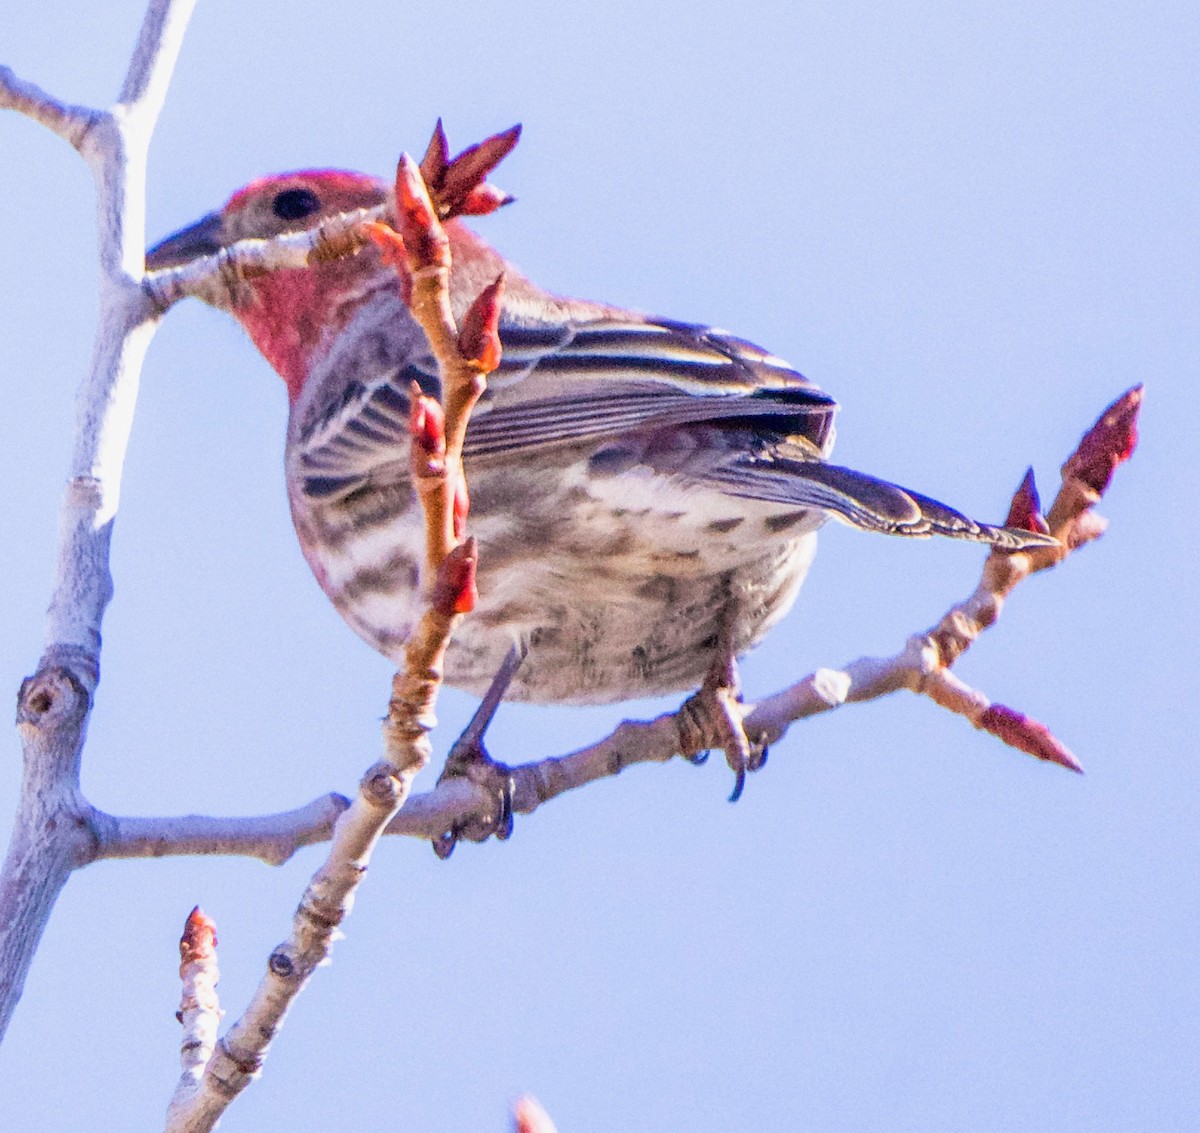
<point x="712" y="717"/>
<point x="468" y="759"/>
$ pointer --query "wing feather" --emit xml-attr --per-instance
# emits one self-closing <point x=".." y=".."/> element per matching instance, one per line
<point x="567" y="384"/>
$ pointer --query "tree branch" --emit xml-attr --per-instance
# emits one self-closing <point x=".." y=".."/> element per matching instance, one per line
<point x="217" y="279"/>
<point x="71" y="123"/>
<point x="154" y="57"/>
<point x="52" y="833"/>
<point x="238" y="1057"/>
<point x="272" y="838"/>
<point x="199" y="1007"/>
<point x="922" y="666"/>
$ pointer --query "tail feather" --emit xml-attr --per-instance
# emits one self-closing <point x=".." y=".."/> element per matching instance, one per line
<point x="864" y="501"/>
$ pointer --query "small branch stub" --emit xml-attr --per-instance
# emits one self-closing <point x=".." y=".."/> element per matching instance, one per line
<point x="199" y="1008"/>
<point x="52" y="698"/>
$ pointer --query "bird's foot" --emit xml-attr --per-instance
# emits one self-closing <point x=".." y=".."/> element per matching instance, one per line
<point x="713" y="717"/>
<point x="468" y="759"/>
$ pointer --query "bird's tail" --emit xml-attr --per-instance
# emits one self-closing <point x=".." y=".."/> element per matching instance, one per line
<point x="863" y="501"/>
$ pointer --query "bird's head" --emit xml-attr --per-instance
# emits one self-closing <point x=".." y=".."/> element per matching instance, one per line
<point x="289" y="314"/>
<point x="270" y="206"/>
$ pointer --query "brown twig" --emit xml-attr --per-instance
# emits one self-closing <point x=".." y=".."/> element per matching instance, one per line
<point x="436" y="465"/>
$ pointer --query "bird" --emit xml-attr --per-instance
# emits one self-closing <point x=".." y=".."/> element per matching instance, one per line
<point x="645" y="492"/>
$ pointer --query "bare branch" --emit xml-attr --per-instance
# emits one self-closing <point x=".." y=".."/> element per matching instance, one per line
<point x="154" y="58"/>
<point x="922" y="666"/>
<point x="217" y="279"/>
<point x="199" y="1007"/>
<point x="47" y="841"/>
<point x="272" y="838"/>
<point x="71" y="123"/>
<point x="52" y="832"/>
<point x="329" y="897"/>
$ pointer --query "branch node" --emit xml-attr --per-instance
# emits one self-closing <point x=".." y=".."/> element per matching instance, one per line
<point x="53" y="698"/>
<point x="281" y="964"/>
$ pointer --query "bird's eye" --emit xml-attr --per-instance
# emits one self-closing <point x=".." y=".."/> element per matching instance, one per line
<point x="295" y="204"/>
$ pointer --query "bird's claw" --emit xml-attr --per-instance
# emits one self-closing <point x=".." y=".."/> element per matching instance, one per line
<point x="712" y="717"/>
<point x="470" y="761"/>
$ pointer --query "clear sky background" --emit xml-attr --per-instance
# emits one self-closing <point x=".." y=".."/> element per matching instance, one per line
<point x="974" y="224"/>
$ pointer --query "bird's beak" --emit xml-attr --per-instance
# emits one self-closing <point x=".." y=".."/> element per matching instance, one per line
<point x="204" y="238"/>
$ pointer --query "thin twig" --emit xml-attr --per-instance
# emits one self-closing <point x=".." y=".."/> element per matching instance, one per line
<point x="238" y="1057"/>
<point x="69" y="122"/>
<point x="199" y="1007"/>
<point x="217" y="279"/>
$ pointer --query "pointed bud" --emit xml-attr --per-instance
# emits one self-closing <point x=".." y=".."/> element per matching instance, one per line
<point x="530" y="1117"/>
<point x="437" y="157"/>
<point x="1025" y="511"/>
<point x="1107" y="444"/>
<point x="427" y="244"/>
<point x="393" y="253"/>
<point x="426" y="423"/>
<point x="1027" y="735"/>
<point x="484" y="199"/>
<point x="479" y="334"/>
<point x="199" y="940"/>
<point x="454" y="590"/>
<point x="471" y="167"/>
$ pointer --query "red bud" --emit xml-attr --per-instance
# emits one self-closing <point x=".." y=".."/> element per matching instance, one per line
<point x="1027" y="735"/>
<point x="437" y="157"/>
<point x="390" y="245"/>
<point x="479" y="334"/>
<point x="1025" y="511"/>
<point x="393" y="253"/>
<point x="454" y="590"/>
<point x="1107" y="444"/>
<point x="199" y="940"/>
<point x="484" y="199"/>
<point x="426" y="423"/>
<point x="471" y="167"/>
<point x="459" y="187"/>
<point x="529" y="1117"/>
<point x="427" y="244"/>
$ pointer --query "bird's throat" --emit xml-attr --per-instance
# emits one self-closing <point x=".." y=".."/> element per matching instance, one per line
<point x="294" y="316"/>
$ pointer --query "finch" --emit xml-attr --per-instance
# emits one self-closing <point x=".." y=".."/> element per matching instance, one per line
<point x="645" y="493"/>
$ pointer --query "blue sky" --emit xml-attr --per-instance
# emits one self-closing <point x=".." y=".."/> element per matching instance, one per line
<point x="974" y="224"/>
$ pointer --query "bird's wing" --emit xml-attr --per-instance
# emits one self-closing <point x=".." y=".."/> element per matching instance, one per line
<point x="604" y="378"/>
<point x="860" y="500"/>
<point x="596" y="381"/>
<point x="568" y="383"/>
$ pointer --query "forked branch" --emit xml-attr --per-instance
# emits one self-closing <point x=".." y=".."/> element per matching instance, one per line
<point x="449" y="586"/>
<point x="52" y="832"/>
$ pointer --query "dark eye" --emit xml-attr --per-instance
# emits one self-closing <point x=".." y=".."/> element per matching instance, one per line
<point x="295" y="204"/>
